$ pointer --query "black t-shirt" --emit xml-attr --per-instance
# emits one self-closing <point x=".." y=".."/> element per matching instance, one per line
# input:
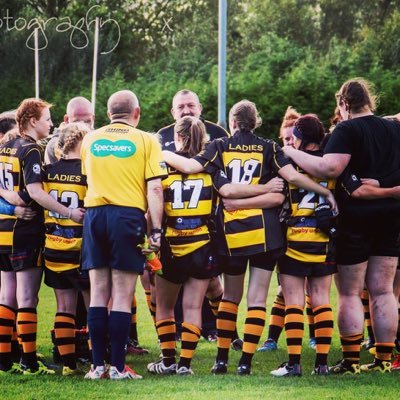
<point x="167" y="134"/>
<point x="374" y="146"/>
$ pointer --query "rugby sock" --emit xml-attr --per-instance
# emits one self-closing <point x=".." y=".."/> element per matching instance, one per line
<point x="118" y="330"/>
<point x="98" y="327"/>
<point x="367" y="315"/>
<point x="15" y="346"/>
<point x="294" y="329"/>
<point x="7" y="319"/>
<point x="190" y="338"/>
<point x="310" y="317"/>
<point x="153" y="308"/>
<point x="133" y="328"/>
<point x="277" y="318"/>
<point x="351" y="345"/>
<point x="384" y="351"/>
<point x="27" y="330"/>
<point x="64" y="331"/>
<point x="214" y="304"/>
<point x="226" y="326"/>
<point x="323" y="319"/>
<point x="166" y="330"/>
<point x="253" y="328"/>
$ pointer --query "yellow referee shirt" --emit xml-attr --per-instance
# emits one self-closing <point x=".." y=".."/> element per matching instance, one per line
<point x="118" y="159"/>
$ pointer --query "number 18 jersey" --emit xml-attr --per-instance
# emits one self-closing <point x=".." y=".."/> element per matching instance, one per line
<point x="65" y="183"/>
<point x="249" y="160"/>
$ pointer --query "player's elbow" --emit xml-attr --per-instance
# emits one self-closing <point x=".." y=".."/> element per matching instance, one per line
<point x="226" y="191"/>
<point x="278" y="198"/>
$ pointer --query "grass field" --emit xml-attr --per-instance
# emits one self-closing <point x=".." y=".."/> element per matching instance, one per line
<point x="260" y="385"/>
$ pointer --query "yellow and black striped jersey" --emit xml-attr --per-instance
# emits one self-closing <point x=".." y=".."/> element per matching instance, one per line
<point x="304" y="241"/>
<point x="21" y="165"/>
<point x="65" y="183"/>
<point x="249" y="160"/>
<point x="188" y="205"/>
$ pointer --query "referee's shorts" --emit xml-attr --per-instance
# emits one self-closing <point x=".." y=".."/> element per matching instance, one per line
<point x="111" y="235"/>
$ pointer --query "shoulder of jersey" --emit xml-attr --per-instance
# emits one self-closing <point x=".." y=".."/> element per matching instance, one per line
<point x="165" y="129"/>
<point x="220" y="129"/>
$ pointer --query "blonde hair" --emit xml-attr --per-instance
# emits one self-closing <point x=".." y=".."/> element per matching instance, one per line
<point x="70" y="136"/>
<point x="29" y="108"/>
<point x="193" y="134"/>
<point x="246" y="115"/>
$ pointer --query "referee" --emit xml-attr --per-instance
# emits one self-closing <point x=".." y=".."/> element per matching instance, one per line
<point x="124" y="170"/>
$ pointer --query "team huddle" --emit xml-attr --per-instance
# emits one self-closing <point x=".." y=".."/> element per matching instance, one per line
<point x="194" y="207"/>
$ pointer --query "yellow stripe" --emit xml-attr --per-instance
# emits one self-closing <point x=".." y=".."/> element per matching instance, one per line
<point x="6" y="238"/>
<point x="297" y="255"/>
<point x="63" y="244"/>
<point x="241" y="214"/>
<point x="254" y="237"/>
<point x="182" y="250"/>
<point x="306" y="234"/>
<point x="60" y="267"/>
<point x="203" y="208"/>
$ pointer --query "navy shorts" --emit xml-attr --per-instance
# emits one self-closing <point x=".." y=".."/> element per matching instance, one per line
<point x="200" y="264"/>
<point x="111" y="235"/>
<point x="237" y="265"/>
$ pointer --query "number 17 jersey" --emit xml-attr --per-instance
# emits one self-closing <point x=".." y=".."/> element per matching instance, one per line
<point x="246" y="159"/>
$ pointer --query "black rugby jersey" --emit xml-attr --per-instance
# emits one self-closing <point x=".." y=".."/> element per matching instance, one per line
<point x="21" y="165"/>
<point x="166" y="134"/>
<point x="250" y="160"/>
<point x="65" y="183"/>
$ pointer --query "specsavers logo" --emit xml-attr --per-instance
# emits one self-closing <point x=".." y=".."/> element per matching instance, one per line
<point x="105" y="148"/>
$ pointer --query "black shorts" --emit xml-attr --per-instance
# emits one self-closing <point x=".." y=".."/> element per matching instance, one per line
<point x="111" y="235"/>
<point x="19" y="260"/>
<point x="200" y="264"/>
<point x="360" y="238"/>
<point x="237" y="265"/>
<point x="72" y="279"/>
<point x="291" y="266"/>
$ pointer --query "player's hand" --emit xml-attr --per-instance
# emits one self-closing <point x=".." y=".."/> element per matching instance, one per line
<point x="396" y="194"/>
<point x="275" y="185"/>
<point x="288" y="150"/>
<point x="25" y="213"/>
<point x="230" y="204"/>
<point x="369" y="181"/>
<point x="154" y="243"/>
<point x="77" y="215"/>
<point x="331" y="200"/>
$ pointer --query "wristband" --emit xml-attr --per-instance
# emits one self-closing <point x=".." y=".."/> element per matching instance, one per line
<point x="6" y="208"/>
<point x="156" y="230"/>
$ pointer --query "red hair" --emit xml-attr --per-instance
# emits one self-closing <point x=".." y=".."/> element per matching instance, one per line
<point x="29" y="108"/>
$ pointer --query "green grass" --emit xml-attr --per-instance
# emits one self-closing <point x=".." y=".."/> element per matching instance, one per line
<point x="260" y="385"/>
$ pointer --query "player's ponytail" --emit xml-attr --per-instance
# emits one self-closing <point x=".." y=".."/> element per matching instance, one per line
<point x="193" y="134"/>
<point x="70" y="136"/>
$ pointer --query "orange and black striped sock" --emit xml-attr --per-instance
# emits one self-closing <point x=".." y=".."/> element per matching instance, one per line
<point x="367" y="315"/>
<point x="166" y="329"/>
<point x="190" y="338"/>
<point x="277" y="318"/>
<point x="294" y="329"/>
<point x="214" y="304"/>
<point x="27" y="330"/>
<point x="323" y="319"/>
<point x="310" y="317"/>
<point x="226" y="327"/>
<point x="153" y="308"/>
<point x="253" y="328"/>
<point x="7" y="320"/>
<point x="64" y="331"/>
<point x="147" y="294"/>
<point x="351" y="345"/>
<point x="133" y="328"/>
<point x="384" y="351"/>
<point x="15" y="346"/>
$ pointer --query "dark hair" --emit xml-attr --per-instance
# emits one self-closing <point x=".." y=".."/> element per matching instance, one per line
<point x="246" y="115"/>
<point x="193" y="134"/>
<point x="357" y="93"/>
<point x="309" y="129"/>
<point x="7" y="122"/>
<point x="29" y="108"/>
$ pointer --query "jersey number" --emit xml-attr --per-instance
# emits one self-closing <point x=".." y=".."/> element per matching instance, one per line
<point x="68" y="199"/>
<point x="310" y="198"/>
<point x="178" y="187"/>
<point x="6" y="178"/>
<point x="243" y="174"/>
